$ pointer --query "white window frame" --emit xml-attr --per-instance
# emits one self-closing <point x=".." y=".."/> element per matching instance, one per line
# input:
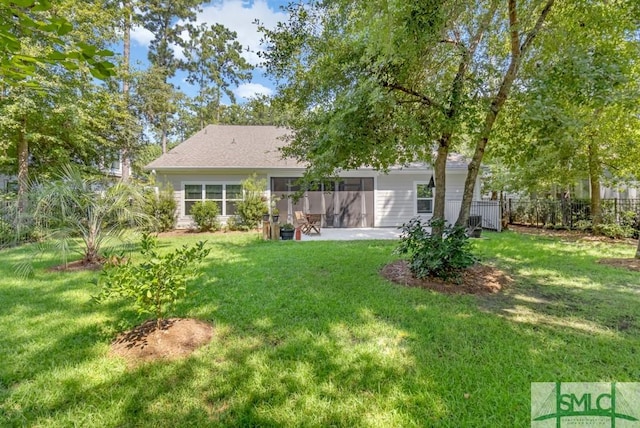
<point x="416" y="198"/>
<point x="222" y="203"/>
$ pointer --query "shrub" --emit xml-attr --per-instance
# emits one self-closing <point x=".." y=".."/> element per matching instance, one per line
<point x="162" y="207"/>
<point x="7" y="234"/>
<point x="442" y="256"/>
<point x="157" y="282"/>
<point x="613" y="230"/>
<point x="583" y="225"/>
<point x="254" y="205"/>
<point x="234" y="223"/>
<point x="205" y="214"/>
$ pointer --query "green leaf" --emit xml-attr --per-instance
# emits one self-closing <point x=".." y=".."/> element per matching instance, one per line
<point x="20" y="3"/>
<point x="56" y="56"/>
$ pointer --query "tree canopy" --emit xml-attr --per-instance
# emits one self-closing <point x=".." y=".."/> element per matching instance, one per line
<point x="389" y="82"/>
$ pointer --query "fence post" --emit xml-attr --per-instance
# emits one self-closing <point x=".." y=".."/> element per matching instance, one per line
<point x="510" y="213"/>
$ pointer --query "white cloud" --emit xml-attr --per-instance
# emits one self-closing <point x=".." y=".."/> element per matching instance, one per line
<point x="234" y="15"/>
<point x="238" y="16"/>
<point x="142" y="36"/>
<point x="250" y="90"/>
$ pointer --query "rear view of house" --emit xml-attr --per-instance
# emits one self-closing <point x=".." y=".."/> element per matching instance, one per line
<point x="212" y="164"/>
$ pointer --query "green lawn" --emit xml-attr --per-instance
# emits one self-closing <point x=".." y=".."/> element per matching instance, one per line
<point x="308" y="334"/>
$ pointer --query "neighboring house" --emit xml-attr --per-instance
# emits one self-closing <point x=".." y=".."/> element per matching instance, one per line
<point x="212" y="164"/>
<point x="625" y="190"/>
<point x="113" y="168"/>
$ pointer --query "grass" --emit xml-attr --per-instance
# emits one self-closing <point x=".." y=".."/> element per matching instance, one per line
<point x="308" y="334"/>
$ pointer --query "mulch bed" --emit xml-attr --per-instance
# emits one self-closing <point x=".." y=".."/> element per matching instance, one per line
<point x="78" y="265"/>
<point x="631" y="264"/>
<point x="569" y="235"/>
<point x="477" y="279"/>
<point x="177" y="338"/>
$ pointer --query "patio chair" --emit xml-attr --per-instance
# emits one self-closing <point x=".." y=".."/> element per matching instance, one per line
<point x="314" y="221"/>
<point x="300" y="221"/>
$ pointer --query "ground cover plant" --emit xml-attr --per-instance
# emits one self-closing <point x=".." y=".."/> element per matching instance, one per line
<point x="310" y="334"/>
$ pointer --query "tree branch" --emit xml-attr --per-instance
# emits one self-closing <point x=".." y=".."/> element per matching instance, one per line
<point x="513" y="28"/>
<point x="420" y="97"/>
<point x="534" y="32"/>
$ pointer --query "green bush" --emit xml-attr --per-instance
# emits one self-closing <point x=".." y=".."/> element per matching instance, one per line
<point x="254" y="205"/>
<point x="583" y="225"/>
<point x="432" y="255"/>
<point x="234" y="223"/>
<point x="613" y="230"/>
<point x="162" y="207"/>
<point x="205" y="214"/>
<point x="159" y="281"/>
<point x="7" y="234"/>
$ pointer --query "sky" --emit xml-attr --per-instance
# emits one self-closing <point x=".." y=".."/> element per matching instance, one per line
<point x="238" y="16"/>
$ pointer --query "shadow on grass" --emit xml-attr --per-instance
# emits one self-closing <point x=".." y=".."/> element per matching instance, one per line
<point x="560" y="284"/>
<point x="313" y="336"/>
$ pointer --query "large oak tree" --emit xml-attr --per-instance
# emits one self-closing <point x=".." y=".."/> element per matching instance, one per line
<point x="392" y="81"/>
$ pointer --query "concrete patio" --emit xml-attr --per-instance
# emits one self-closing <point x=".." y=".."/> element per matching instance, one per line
<point x="331" y="234"/>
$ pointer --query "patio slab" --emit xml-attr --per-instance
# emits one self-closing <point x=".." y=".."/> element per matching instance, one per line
<point x="331" y="234"/>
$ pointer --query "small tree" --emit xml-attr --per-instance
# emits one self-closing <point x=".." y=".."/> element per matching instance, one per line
<point x="254" y="205"/>
<point x="78" y="205"/>
<point x="205" y="214"/>
<point x="157" y="282"/>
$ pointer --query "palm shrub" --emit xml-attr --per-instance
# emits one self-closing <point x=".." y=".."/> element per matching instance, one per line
<point x="162" y="207"/>
<point x="156" y="283"/>
<point x="205" y="215"/>
<point x="75" y="205"/>
<point x="442" y="256"/>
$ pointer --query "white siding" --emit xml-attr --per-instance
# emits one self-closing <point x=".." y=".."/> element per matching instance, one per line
<point x="396" y="199"/>
<point x="178" y="181"/>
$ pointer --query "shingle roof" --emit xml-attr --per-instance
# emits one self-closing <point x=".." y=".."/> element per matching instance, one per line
<point x="252" y="147"/>
<point x="228" y="146"/>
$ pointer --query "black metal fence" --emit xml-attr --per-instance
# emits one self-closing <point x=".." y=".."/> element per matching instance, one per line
<point x="571" y="214"/>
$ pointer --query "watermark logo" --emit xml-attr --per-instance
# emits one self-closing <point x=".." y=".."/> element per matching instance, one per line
<point x="577" y="404"/>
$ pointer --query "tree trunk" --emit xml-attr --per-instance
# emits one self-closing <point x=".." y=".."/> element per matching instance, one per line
<point x="126" y="54"/>
<point x="594" y="182"/>
<point x="163" y="139"/>
<point x="517" y="51"/>
<point x="440" y="167"/>
<point x="23" y="165"/>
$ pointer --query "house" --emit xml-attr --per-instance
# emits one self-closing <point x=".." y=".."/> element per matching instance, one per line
<point x="212" y="164"/>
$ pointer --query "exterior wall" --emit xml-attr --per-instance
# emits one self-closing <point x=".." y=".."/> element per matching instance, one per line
<point x="394" y="193"/>
<point x="395" y="196"/>
<point x="177" y="181"/>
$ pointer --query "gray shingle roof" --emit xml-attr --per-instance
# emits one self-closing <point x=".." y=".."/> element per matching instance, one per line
<point x="228" y="146"/>
<point x="251" y="147"/>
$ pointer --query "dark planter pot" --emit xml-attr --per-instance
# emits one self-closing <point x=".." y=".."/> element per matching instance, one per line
<point x="276" y="218"/>
<point x="265" y="217"/>
<point x="286" y="235"/>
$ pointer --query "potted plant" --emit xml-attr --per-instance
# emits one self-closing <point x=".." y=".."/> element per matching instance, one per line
<point x="286" y="232"/>
<point x="275" y="212"/>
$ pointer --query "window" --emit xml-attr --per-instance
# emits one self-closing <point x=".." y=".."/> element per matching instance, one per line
<point x="225" y="195"/>
<point x="424" y="198"/>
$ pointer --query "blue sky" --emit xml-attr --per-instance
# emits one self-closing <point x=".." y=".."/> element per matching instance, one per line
<point x="239" y="16"/>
